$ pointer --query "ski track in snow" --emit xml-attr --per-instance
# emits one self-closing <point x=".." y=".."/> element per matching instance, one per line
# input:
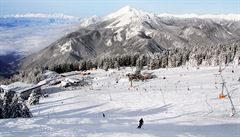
<point x="168" y="108"/>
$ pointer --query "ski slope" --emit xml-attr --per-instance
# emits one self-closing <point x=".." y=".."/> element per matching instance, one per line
<point x="185" y="104"/>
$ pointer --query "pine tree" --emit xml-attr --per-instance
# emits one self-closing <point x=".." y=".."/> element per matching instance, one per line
<point x="1" y="107"/>
<point x="12" y="107"/>
<point x="116" y="65"/>
<point x="89" y="65"/>
<point x="33" y="98"/>
<point x="164" y="60"/>
<point x="105" y="66"/>
<point x="139" y="63"/>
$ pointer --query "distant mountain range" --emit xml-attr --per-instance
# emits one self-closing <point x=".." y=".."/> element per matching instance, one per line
<point x="132" y="31"/>
<point x="27" y="20"/>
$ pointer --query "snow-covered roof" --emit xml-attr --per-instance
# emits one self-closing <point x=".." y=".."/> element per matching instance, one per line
<point x="16" y="86"/>
<point x="73" y="80"/>
<point x="28" y="88"/>
<point x="50" y="74"/>
<point x="20" y="87"/>
<point x="3" y="86"/>
<point x="70" y="73"/>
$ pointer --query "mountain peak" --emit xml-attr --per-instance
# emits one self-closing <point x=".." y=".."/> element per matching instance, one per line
<point x="127" y="15"/>
<point x="126" y="9"/>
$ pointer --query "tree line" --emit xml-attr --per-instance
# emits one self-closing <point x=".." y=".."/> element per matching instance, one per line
<point x="175" y="57"/>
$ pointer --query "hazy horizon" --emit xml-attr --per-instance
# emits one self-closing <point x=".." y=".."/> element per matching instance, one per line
<point x="83" y="8"/>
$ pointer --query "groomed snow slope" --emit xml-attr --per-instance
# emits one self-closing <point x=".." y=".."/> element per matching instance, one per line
<point x="185" y="104"/>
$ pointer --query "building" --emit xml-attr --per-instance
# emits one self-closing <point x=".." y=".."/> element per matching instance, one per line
<point x="22" y="89"/>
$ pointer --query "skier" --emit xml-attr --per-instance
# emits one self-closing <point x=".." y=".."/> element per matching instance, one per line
<point x="140" y="123"/>
<point x="103" y="115"/>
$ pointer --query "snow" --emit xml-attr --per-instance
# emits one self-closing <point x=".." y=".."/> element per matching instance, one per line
<point x="72" y="73"/>
<point x="88" y="21"/>
<point x="191" y="30"/>
<point x="133" y="31"/>
<point x="73" y="80"/>
<point x="117" y="36"/>
<point x="49" y="77"/>
<point x="66" y="47"/>
<point x="16" y="86"/>
<point x="178" y="44"/>
<point x="109" y="43"/>
<point x="127" y="15"/>
<point x="230" y="17"/>
<point x="184" y="104"/>
<point x="50" y="74"/>
<point x="26" y="33"/>
<point x="236" y="59"/>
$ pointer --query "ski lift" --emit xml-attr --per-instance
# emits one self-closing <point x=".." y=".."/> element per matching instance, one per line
<point x="215" y="79"/>
<point x="221" y="96"/>
<point x="233" y="68"/>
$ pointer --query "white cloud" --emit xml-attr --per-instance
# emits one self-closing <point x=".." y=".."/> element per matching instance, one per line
<point x="27" y="40"/>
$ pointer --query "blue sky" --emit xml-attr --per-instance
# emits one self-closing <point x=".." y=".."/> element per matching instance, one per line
<point x="85" y="8"/>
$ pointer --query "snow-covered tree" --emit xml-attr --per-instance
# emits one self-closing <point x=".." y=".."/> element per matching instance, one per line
<point x="138" y="71"/>
<point x="105" y="66"/>
<point x="33" y="99"/>
<point x="12" y="107"/>
<point x="89" y="64"/>
<point x="116" y="65"/>
<point x="164" y="60"/>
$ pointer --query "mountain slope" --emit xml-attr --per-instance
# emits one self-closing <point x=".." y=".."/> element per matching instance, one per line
<point x="133" y="31"/>
<point x="185" y="104"/>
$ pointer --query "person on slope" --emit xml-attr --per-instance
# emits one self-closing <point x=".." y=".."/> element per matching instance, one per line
<point x="140" y="123"/>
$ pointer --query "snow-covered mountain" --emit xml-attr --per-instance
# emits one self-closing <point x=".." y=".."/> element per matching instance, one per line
<point x="218" y="17"/>
<point x="134" y="31"/>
